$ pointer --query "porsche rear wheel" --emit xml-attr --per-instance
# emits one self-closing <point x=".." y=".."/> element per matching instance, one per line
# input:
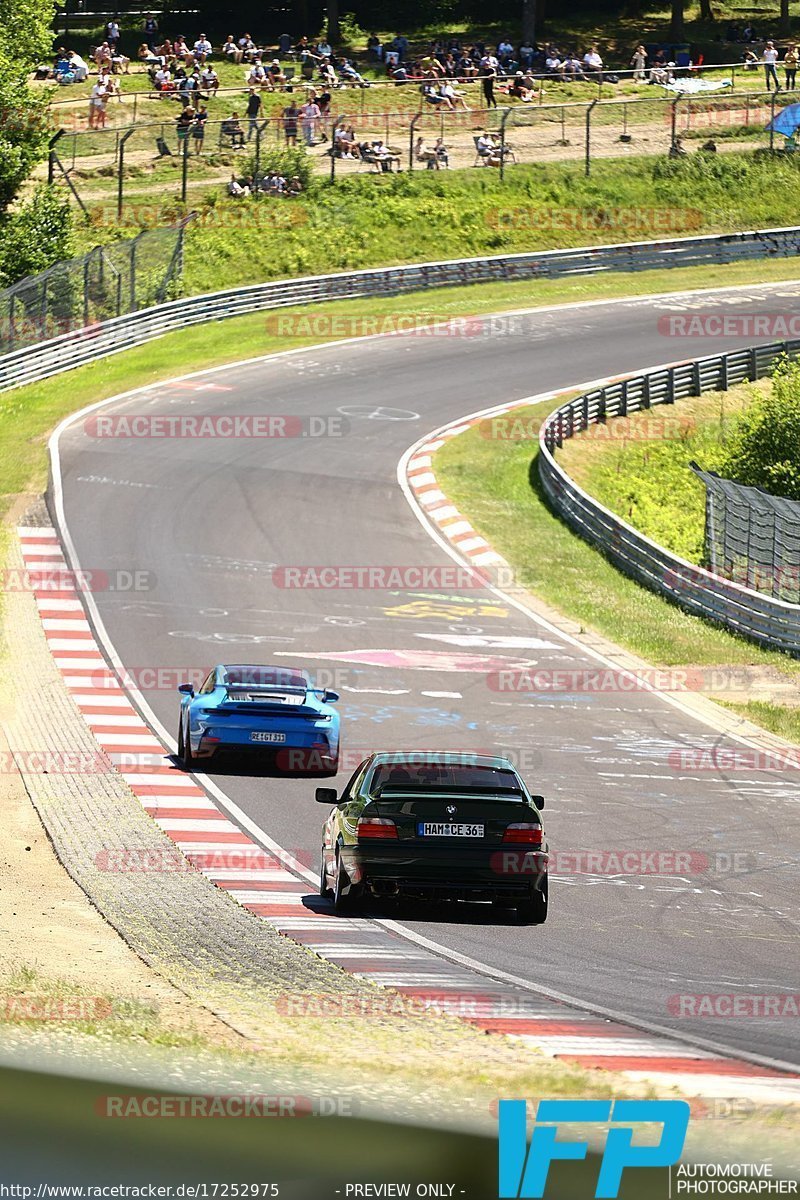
<point x="185" y="749"/>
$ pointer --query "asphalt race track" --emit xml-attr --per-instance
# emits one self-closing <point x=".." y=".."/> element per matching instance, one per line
<point x="212" y="518"/>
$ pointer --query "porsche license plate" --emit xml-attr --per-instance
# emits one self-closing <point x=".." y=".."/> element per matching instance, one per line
<point x="272" y="738"/>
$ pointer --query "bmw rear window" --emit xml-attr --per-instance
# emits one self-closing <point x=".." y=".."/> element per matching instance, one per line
<point x="450" y="776"/>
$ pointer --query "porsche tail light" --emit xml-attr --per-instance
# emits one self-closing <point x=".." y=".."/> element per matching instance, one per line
<point x="376" y="827"/>
<point x="523" y="833"/>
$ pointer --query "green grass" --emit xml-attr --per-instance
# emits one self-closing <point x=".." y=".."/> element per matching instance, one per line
<point x="495" y="483"/>
<point x="639" y="467"/>
<point x="370" y="220"/>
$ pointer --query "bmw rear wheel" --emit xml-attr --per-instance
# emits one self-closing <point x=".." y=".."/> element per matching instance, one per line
<point x="533" y="910"/>
<point x="324" y="890"/>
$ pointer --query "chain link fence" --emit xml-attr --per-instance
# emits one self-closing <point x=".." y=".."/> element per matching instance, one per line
<point x="109" y="281"/>
<point x="751" y="537"/>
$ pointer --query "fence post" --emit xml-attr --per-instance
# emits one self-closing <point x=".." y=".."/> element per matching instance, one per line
<point x="259" y="130"/>
<point x="588" y="164"/>
<point x="120" y="168"/>
<point x="411" y="130"/>
<point x="773" y="97"/>
<point x="673" y="141"/>
<point x="506" y="114"/>
<point x="184" y="166"/>
<point x="51" y="156"/>
<point x="333" y="149"/>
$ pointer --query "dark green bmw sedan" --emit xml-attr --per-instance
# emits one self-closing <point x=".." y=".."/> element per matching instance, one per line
<point x="436" y="826"/>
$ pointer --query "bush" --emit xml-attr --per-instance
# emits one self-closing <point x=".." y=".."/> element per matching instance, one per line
<point x="765" y="450"/>
<point x="36" y="236"/>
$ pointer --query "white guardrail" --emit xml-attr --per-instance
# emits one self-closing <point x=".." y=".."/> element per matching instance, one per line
<point x="96" y="341"/>
<point x="751" y="614"/>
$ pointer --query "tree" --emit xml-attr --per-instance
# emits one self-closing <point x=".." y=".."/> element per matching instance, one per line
<point x="529" y="21"/>
<point x="783" y="27"/>
<point x="676" y="30"/>
<point x="334" y="33"/>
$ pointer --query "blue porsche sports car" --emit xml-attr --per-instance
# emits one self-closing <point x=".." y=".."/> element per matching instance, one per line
<point x="276" y="710"/>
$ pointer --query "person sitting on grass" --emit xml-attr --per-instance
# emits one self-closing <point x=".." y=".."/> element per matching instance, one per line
<point x="276" y="77"/>
<point x="235" y="188"/>
<point x="209" y="80"/>
<point x="295" y="186"/>
<point x="230" y="51"/>
<point x="231" y="129"/>
<point x="350" y="75"/>
<point x="202" y="49"/>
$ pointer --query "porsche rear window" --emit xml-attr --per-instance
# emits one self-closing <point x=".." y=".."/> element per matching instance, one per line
<point x="263" y="677"/>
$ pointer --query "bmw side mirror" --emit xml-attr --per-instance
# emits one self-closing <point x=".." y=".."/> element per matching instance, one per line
<point x="326" y="796"/>
<point x="330" y="697"/>
<point x="538" y="801"/>
<point x="187" y="689"/>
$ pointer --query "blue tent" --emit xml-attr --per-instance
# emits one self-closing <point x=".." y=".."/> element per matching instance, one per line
<point x="787" y="121"/>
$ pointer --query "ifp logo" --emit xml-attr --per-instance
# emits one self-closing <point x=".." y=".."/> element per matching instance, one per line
<point x="523" y="1170"/>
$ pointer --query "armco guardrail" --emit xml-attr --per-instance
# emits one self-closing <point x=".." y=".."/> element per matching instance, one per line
<point x="749" y="613"/>
<point x="107" y="337"/>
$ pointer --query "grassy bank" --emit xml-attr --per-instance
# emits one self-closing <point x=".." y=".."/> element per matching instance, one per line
<point x="368" y="220"/>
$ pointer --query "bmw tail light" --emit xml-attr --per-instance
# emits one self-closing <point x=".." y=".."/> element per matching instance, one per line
<point x="523" y="833"/>
<point x="376" y="827"/>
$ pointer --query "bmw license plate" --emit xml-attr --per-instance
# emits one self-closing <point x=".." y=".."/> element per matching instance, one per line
<point x="272" y="738"/>
<point x="448" y="829"/>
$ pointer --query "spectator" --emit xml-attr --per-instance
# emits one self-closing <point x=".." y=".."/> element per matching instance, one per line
<point x="231" y="129"/>
<point x="310" y="115"/>
<point x="452" y="97"/>
<point x="400" y="75"/>
<point x="488" y="77"/>
<point x="593" y="64"/>
<point x="526" y="53"/>
<point x="324" y="49"/>
<point x="750" y="60"/>
<point x="202" y="49"/>
<point x="63" y="69"/>
<point x="97" y="106"/>
<point x="230" y="50"/>
<point x="639" y="62"/>
<point x="290" y="118"/>
<point x="162" y="80"/>
<point x="78" y="66"/>
<point x="150" y="30"/>
<point x="209" y="80"/>
<point x="111" y="33"/>
<point x="423" y="154"/>
<point x="253" y="109"/>
<point x="432" y="95"/>
<point x="295" y="186"/>
<point x="185" y="121"/>
<point x="440" y="150"/>
<point x="285" y="45"/>
<point x="257" y="75"/>
<point x="247" y="48"/>
<point x="790" y="60"/>
<point x="521" y="87"/>
<point x="488" y="150"/>
<point x="399" y="45"/>
<point x="237" y="189"/>
<point x="350" y="75"/>
<point x="769" y="58"/>
<point x="572" y="68"/>
<point x="275" y="76"/>
<point x="199" y="127"/>
<point x="374" y="47"/>
<point x="384" y="157"/>
<point x="182" y="51"/>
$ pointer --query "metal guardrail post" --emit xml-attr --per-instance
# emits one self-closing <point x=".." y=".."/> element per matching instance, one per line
<point x="184" y="166"/>
<point x="673" y="142"/>
<point x="333" y="149"/>
<point x="772" y="99"/>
